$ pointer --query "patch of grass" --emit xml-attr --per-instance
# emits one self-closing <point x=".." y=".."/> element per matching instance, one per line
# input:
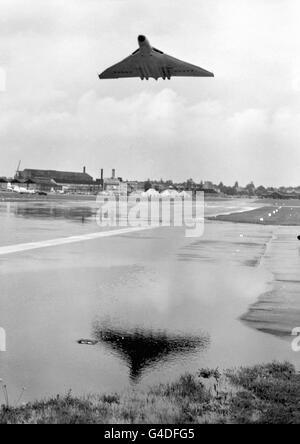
<point x="275" y="389"/>
<point x="284" y="215"/>
<point x="188" y="386"/>
<point x="261" y="394"/>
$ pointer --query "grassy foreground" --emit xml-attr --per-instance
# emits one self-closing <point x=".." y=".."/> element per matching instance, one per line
<point x="261" y="394"/>
<point x="269" y="215"/>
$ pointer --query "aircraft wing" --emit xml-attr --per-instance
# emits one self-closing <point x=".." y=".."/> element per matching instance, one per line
<point x="179" y="68"/>
<point x="159" y="65"/>
<point x="126" y="68"/>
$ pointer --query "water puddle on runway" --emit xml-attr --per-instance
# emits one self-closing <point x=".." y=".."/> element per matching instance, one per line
<point x="139" y="308"/>
<point x="22" y="222"/>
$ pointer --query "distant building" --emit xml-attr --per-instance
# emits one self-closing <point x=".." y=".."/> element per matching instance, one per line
<point x="209" y="187"/>
<point x="135" y="186"/>
<point x="51" y="180"/>
<point x="3" y="184"/>
<point x="115" y="185"/>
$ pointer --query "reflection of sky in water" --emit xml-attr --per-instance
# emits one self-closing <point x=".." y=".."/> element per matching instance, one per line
<point x="36" y="221"/>
<point x="22" y="222"/>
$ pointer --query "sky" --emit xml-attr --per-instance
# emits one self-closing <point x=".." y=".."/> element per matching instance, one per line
<point x="243" y="125"/>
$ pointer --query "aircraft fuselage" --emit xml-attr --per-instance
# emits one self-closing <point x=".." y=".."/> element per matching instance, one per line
<point x="144" y="44"/>
<point x="149" y="66"/>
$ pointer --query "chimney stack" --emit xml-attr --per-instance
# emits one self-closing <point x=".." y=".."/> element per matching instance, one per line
<point x="102" y="179"/>
<point x="84" y="170"/>
<point x="113" y="173"/>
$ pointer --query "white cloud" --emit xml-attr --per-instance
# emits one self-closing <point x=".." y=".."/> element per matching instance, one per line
<point x="243" y="125"/>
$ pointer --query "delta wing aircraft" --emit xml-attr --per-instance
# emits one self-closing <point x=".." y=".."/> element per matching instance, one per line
<point x="148" y="62"/>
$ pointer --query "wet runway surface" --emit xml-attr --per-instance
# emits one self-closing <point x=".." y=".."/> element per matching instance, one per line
<point x="277" y="311"/>
<point x="153" y="304"/>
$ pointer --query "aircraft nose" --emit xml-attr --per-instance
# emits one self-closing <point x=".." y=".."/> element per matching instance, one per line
<point x="141" y="38"/>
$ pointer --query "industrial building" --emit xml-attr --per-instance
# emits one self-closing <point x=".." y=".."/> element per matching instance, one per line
<point x="52" y="180"/>
<point x="69" y="182"/>
<point x="114" y="185"/>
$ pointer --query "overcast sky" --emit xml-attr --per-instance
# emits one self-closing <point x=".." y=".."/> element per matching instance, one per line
<point x="242" y="125"/>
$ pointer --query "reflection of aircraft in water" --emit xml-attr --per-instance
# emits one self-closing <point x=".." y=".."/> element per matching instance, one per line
<point x="142" y="348"/>
<point x="148" y="62"/>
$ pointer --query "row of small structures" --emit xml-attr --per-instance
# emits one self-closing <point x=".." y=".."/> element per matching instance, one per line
<point x="47" y="181"/>
<point x="169" y="193"/>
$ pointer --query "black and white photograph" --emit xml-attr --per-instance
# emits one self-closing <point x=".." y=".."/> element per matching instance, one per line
<point x="149" y="214"/>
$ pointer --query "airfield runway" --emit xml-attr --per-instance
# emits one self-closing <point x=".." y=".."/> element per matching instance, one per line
<point x="156" y="303"/>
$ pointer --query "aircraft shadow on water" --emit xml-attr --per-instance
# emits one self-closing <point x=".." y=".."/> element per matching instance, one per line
<point x="144" y="349"/>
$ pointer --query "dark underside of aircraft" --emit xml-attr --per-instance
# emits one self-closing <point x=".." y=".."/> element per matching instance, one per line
<point x="149" y="62"/>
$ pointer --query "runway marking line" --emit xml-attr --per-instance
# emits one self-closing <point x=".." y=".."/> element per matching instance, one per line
<point x="18" y="248"/>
